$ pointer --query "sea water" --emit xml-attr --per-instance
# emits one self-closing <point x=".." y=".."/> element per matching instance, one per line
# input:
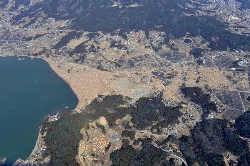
<point x="29" y="90"/>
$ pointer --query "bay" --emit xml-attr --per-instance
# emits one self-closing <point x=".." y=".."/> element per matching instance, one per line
<point x="29" y="90"/>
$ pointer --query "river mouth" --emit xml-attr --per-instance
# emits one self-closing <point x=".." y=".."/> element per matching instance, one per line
<point x="29" y="90"/>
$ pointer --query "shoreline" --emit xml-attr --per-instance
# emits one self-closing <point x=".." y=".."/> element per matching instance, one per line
<point x="86" y="82"/>
<point x="39" y="144"/>
<point x="35" y="155"/>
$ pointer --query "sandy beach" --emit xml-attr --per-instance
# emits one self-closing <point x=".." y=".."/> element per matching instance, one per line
<point x="85" y="82"/>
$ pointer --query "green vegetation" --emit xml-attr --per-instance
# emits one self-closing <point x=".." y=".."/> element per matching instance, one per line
<point x="87" y="126"/>
<point x="107" y="147"/>
<point x="188" y="41"/>
<point x="111" y="103"/>
<point x="234" y="143"/>
<point x="42" y="52"/>
<point x="65" y="39"/>
<point x="101" y="127"/>
<point x="196" y="95"/>
<point x="209" y="140"/>
<point x="242" y="124"/>
<point x="148" y="110"/>
<point x="32" y="38"/>
<point x="248" y="98"/>
<point x="143" y="113"/>
<point x="94" y="17"/>
<point x="63" y="136"/>
<point x="148" y="156"/>
<point x="124" y="156"/>
<point x="129" y="134"/>
<point x="244" y="160"/>
<point x="144" y="141"/>
<point x="216" y="160"/>
<point x="80" y="48"/>
<point x="197" y="52"/>
<point x="171" y="139"/>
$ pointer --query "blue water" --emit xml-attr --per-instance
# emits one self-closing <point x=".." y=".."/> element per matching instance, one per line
<point x="29" y="90"/>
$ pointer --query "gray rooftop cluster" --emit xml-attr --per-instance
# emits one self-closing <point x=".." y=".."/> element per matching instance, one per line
<point x="241" y="63"/>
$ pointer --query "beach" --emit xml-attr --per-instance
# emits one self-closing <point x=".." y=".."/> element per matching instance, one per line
<point x="87" y="83"/>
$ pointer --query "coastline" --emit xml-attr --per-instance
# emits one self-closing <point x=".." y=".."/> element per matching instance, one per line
<point x="86" y="83"/>
<point x="35" y="156"/>
<point x="40" y="146"/>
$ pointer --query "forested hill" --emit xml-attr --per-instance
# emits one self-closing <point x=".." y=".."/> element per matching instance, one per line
<point x="172" y="17"/>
